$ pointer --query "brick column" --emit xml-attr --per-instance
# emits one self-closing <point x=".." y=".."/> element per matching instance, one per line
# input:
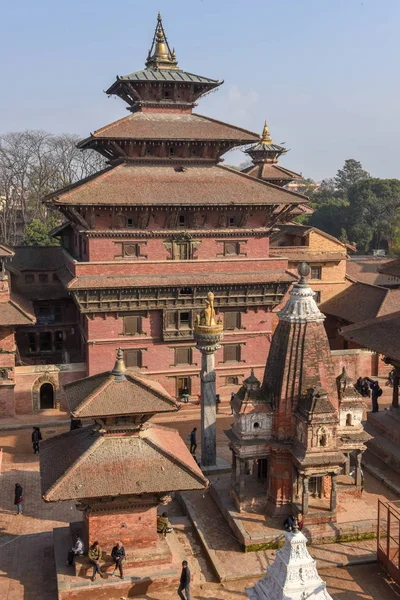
<point x="305" y="495"/>
<point x="333" y="493"/>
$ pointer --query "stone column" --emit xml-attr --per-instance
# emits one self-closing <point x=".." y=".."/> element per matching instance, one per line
<point x="242" y="468"/>
<point x="305" y="495"/>
<point x="333" y="493"/>
<point x="347" y="464"/>
<point x="233" y="472"/>
<point x="395" y="397"/>
<point x="208" y="334"/>
<point x="358" y="469"/>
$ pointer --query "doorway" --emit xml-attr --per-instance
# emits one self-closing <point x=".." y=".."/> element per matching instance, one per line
<point x="46" y="396"/>
<point x="183" y="385"/>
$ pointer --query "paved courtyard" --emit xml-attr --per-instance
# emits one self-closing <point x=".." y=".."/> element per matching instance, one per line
<point x="26" y="556"/>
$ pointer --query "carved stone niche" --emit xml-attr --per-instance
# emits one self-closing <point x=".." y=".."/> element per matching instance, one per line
<point x="5" y="374"/>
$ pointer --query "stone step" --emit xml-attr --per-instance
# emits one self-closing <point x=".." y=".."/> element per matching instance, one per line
<point x="384" y="448"/>
<point x="381" y="471"/>
<point x="386" y="423"/>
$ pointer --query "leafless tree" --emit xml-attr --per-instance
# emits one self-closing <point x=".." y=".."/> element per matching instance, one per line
<point x="33" y="164"/>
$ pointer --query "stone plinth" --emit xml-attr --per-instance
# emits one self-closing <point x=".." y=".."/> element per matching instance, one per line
<point x="207" y="341"/>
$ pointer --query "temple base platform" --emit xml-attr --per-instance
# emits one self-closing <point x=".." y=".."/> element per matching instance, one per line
<point x="382" y="458"/>
<point x="221" y="467"/>
<point x="255" y="530"/>
<point x="147" y="569"/>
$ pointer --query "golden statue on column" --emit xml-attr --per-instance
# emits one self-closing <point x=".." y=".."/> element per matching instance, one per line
<point x="205" y="321"/>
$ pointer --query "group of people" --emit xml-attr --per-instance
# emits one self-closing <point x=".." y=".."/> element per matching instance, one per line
<point x="95" y="554"/>
<point x="369" y="388"/>
<point x="294" y="521"/>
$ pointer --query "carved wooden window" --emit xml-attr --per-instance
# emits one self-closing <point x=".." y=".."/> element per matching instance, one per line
<point x="231" y="380"/>
<point x="43" y="278"/>
<point x="171" y="151"/>
<point x="45" y="341"/>
<point x="232" y="320"/>
<point x="130" y="222"/>
<point x="232" y="221"/>
<point x="170" y="320"/>
<point x="182" y="251"/>
<point x="232" y="352"/>
<point x="231" y="248"/>
<point x="32" y="345"/>
<point x="29" y="278"/>
<point x="316" y="272"/>
<point x="182" y="221"/>
<point x="133" y="358"/>
<point x="132" y="325"/>
<point x="183" y="356"/>
<point x="58" y="340"/>
<point x="131" y="250"/>
<point x="184" y="319"/>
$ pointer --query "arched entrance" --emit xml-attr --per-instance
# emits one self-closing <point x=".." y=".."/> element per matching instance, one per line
<point x="46" y="396"/>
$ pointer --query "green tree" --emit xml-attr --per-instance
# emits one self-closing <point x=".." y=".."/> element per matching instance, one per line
<point x="37" y="233"/>
<point x="372" y="214"/>
<point x="331" y="216"/>
<point x="350" y="174"/>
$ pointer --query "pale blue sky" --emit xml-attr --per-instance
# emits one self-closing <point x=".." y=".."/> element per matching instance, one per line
<point x="324" y="73"/>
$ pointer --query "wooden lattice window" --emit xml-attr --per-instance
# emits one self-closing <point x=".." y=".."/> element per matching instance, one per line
<point x="133" y="358"/>
<point x="316" y="272"/>
<point x="231" y="352"/>
<point x="132" y="325"/>
<point x="183" y="356"/>
<point x="232" y="320"/>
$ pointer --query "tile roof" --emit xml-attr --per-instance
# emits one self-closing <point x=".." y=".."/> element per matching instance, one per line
<point x="138" y="184"/>
<point x="37" y="258"/>
<point x="380" y="335"/>
<point x="391" y="268"/>
<point x="170" y="126"/>
<point x="303" y="230"/>
<point x="312" y="459"/>
<point x="17" y="311"/>
<point x="361" y="301"/>
<point x="374" y="271"/>
<point x="176" y="279"/>
<point x="166" y="75"/>
<point x="305" y="255"/>
<point x="103" y="395"/>
<point x="6" y="251"/>
<point x="86" y="464"/>
<point x="271" y="171"/>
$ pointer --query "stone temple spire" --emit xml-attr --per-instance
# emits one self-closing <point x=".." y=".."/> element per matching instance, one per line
<point x="160" y="55"/>
<point x="293" y="574"/>
<point x="301" y="306"/>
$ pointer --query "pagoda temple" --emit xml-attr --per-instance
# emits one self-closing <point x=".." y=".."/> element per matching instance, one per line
<point x="120" y="468"/>
<point x="298" y="431"/>
<point x="265" y="156"/>
<point x="147" y="237"/>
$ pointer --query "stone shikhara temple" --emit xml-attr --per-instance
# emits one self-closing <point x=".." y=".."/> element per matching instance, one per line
<point x="121" y="468"/>
<point x="297" y="432"/>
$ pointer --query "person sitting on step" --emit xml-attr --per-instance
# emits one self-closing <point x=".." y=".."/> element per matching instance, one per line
<point x="163" y="524"/>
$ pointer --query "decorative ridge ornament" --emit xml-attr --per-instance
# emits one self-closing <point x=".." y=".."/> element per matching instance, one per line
<point x="266" y="136"/>
<point x="301" y="306"/>
<point x="292" y="576"/>
<point x="119" y="369"/>
<point x="160" y="55"/>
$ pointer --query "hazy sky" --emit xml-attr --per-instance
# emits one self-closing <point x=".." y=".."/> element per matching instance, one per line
<point x="324" y="73"/>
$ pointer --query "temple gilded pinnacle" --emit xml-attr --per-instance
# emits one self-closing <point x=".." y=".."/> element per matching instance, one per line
<point x="160" y="55"/>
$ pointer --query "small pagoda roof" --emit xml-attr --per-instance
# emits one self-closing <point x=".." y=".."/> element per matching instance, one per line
<point x="316" y="459"/>
<point x="129" y="184"/>
<point x="315" y="403"/>
<point x="178" y="279"/>
<point x="271" y="172"/>
<point x="16" y="311"/>
<point x="84" y="464"/>
<point x="380" y="335"/>
<point x="117" y="392"/>
<point x="362" y="301"/>
<point x="165" y="75"/>
<point x="6" y="251"/>
<point x="170" y="126"/>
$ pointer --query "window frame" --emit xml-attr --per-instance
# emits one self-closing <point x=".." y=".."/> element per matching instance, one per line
<point x="138" y="352"/>
<point x="43" y="278"/>
<point x="238" y="352"/>
<point x="29" y="276"/>
<point x="139" y="327"/>
<point x="189" y="351"/>
<point x="319" y="271"/>
<point x="238" y="320"/>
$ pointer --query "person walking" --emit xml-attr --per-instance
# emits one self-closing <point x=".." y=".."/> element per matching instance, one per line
<point x="376" y="392"/>
<point x="77" y="549"/>
<point x="118" y="556"/>
<point x="36" y="438"/>
<point x="184" y="585"/>
<point x="193" y="440"/>
<point x="94" y="554"/>
<point x="18" y="498"/>
<point x="217" y="402"/>
<point x="231" y="402"/>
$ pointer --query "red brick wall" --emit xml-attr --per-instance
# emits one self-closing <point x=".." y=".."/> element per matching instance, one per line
<point x="359" y="363"/>
<point x="135" y="529"/>
<point x="7" y="361"/>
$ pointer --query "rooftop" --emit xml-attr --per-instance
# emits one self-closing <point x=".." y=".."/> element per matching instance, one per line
<point x="16" y="311"/>
<point x="390" y="268"/>
<point x="37" y="258"/>
<point x="361" y="301"/>
<point x="380" y="335"/>
<point x="138" y="184"/>
<point x="92" y="465"/>
<point x="170" y="126"/>
<point x="271" y="171"/>
<point x="373" y="270"/>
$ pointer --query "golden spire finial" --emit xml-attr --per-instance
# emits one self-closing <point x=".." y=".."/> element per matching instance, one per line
<point x="160" y="55"/>
<point x="266" y="136"/>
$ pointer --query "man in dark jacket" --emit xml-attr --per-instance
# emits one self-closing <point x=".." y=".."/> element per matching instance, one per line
<point x="185" y="582"/>
<point x="118" y="555"/>
<point x="376" y="393"/>
<point x="36" y="438"/>
<point x="193" y="441"/>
